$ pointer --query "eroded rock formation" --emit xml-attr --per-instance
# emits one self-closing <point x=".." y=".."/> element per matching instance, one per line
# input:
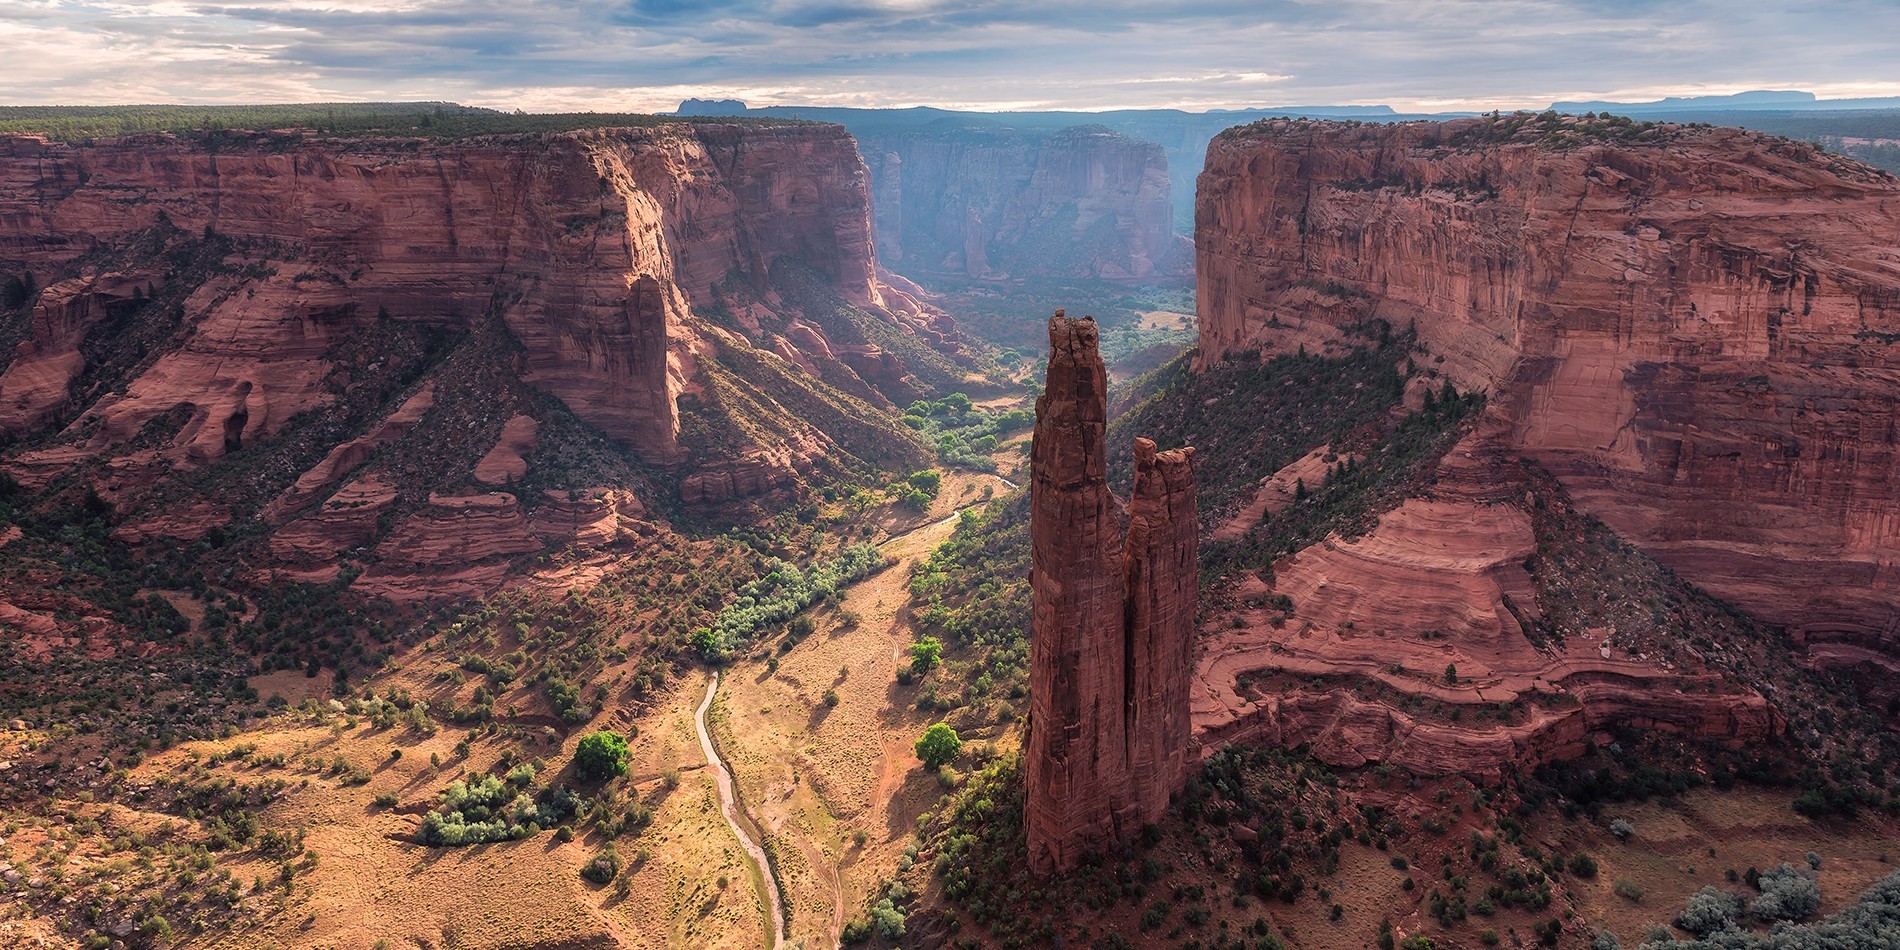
<point x="1696" y="330"/>
<point x="1113" y="619"/>
<point x="377" y="326"/>
<point x="1411" y="646"/>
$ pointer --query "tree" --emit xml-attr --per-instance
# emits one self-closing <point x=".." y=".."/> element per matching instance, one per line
<point x="601" y="755"/>
<point x="939" y="746"/>
<point x="924" y="654"/>
<point x="1708" y="911"/>
<point x="1786" y="894"/>
<point x="604" y="867"/>
<point x="929" y="481"/>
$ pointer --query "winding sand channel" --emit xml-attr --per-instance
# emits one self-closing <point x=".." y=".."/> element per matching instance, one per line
<point x="729" y="806"/>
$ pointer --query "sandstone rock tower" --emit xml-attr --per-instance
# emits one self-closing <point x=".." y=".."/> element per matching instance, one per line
<point x="1113" y="619"/>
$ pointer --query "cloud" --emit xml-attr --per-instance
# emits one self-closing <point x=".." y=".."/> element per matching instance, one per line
<point x="648" y="54"/>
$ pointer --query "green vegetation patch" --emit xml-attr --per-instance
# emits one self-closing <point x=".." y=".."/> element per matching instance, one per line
<point x="492" y="808"/>
<point x="963" y="434"/>
<point x="426" y="120"/>
<point x="779" y="594"/>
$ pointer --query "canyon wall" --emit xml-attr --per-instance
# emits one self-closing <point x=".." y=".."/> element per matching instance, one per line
<point x="380" y="338"/>
<point x="996" y="202"/>
<point x="590" y="245"/>
<point x="1113" y="619"/>
<point x="1697" y="331"/>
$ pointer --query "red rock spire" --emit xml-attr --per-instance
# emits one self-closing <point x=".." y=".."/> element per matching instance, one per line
<point x="1112" y="621"/>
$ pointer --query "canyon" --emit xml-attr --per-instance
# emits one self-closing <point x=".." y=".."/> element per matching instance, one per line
<point x="993" y="203"/>
<point x="1113" y="618"/>
<point x="1494" y="420"/>
<point x="400" y="352"/>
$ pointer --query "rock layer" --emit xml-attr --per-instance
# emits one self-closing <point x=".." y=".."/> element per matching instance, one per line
<point x="1380" y="637"/>
<point x="1113" y="619"/>
<point x="1696" y="330"/>
<point x="332" y="331"/>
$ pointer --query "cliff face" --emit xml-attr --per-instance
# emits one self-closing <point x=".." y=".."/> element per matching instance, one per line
<point x="1360" y="647"/>
<point x="997" y="203"/>
<point x="383" y="330"/>
<point x="1113" y="619"/>
<point x="1696" y="331"/>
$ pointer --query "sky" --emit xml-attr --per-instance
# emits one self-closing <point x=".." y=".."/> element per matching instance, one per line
<point x="647" y="55"/>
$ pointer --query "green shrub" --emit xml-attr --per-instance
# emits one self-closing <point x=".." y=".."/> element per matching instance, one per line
<point x="601" y="755"/>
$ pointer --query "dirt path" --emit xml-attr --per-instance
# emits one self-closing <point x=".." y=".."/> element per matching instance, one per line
<point x="729" y="806"/>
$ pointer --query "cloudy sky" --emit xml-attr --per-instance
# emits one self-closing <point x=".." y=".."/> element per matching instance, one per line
<point x="645" y="55"/>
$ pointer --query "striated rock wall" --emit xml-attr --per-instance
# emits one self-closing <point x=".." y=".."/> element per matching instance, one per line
<point x="590" y="245"/>
<point x="1378" y="636"/>
<point x="1000" y="203"/>
<point x="349" y="339"/>
<point x="1113" y="620"/>
<point x="1696" y="330"/>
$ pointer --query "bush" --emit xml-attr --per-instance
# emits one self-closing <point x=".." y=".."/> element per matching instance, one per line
<point x="888" y="919"/>
<point x="1786" y="894"/>
<point x="855" y="931"/>
<point x="156" y="929"/>
<point x="1708" y="911"/>
<point x="1583" y="866"/>
<point x="603" y="868"/>
<point x="601" y="755"/>
<point x="1622" y="829"/>
<point x="1605" y="941"/>
<point x="939" y="746"/>
<point x="1628" y="890"/>
<point x="831" y="698"/>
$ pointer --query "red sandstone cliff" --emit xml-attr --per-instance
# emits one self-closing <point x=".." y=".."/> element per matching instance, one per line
<point x="1113" y="619"/>
<point x="1696" y="330"/>
<point x="293" y="296"/>
<point x="999" y="203"/>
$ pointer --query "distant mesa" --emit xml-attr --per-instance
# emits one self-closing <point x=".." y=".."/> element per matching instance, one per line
<point x="715" y="107"/>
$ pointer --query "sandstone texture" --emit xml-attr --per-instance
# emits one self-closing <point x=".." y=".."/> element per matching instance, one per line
<point x="995" y="203"/>
<point x="1113" y="619"/>
<point x="1403" y="645"/>
<point x="1697" y="331"/>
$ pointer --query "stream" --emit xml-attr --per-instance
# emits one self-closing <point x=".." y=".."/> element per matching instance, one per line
<point x="729" y="807"/>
